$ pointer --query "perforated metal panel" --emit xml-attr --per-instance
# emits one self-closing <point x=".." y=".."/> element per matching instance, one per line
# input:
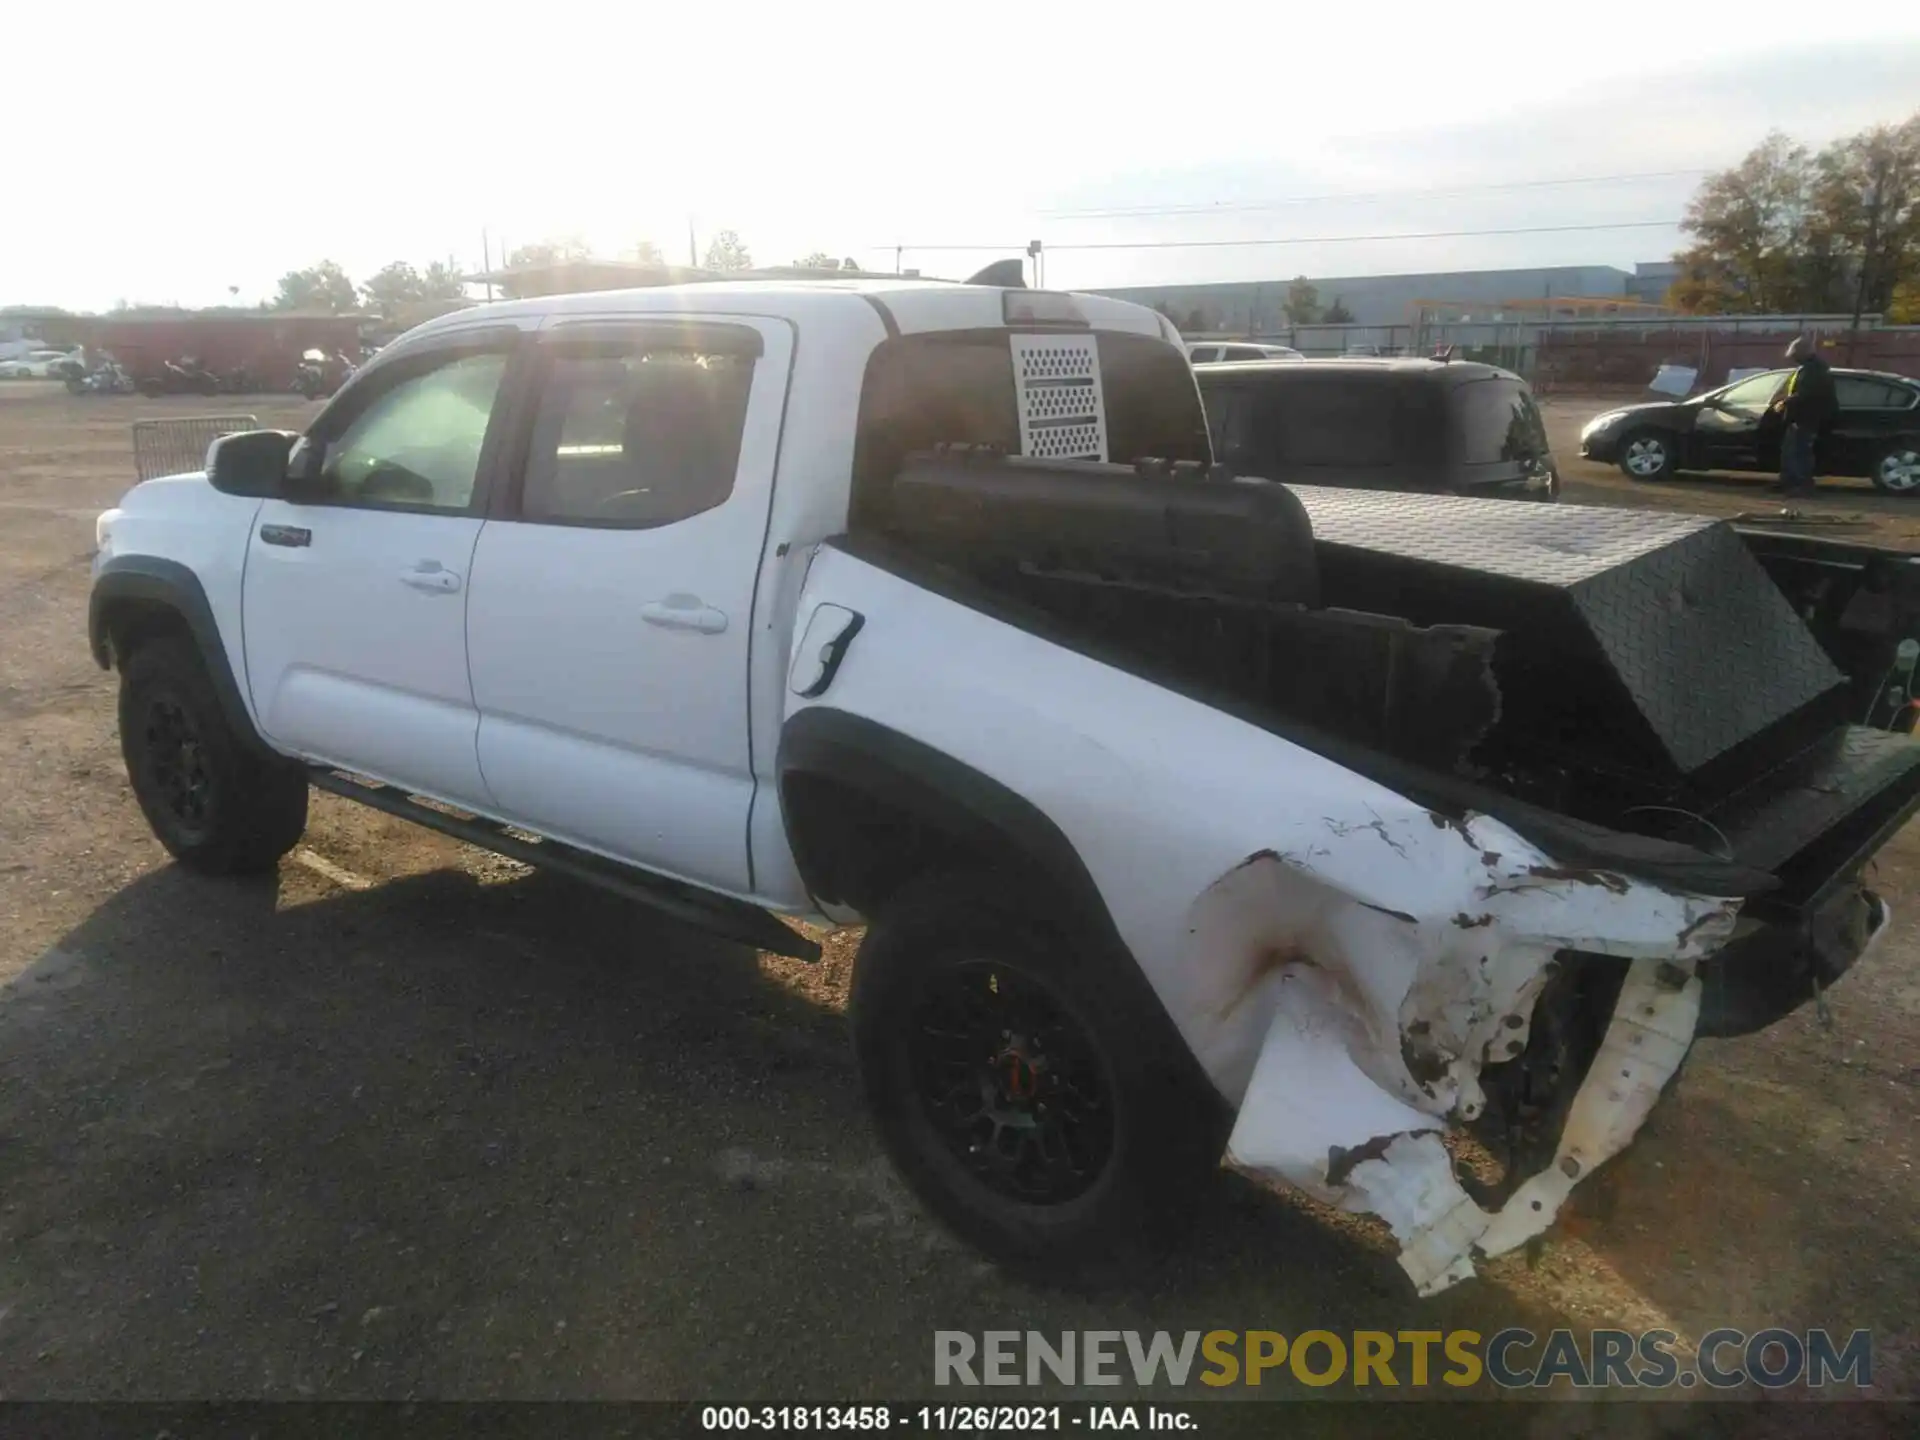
<point x="1063" y="415"/>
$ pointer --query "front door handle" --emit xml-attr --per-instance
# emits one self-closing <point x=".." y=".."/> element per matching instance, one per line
<point x="294" y="537"/>
<point x="684" y="612"/>
<point x="431" y="576"/>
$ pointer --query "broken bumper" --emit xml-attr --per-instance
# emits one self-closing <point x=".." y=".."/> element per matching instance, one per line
<point x="1380" y="1025"/>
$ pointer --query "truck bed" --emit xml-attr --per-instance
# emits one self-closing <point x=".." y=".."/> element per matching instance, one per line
<point x="1539" y="663"/>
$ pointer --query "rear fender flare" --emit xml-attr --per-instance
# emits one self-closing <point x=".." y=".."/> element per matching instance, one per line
<point x="905" y="776"/>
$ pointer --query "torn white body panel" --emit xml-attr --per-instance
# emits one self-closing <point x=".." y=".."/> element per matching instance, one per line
<point x="1342" y="961"/>
<point x="1385" y="1021"/>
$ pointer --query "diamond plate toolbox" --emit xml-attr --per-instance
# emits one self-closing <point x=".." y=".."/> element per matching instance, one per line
<point x="1646" y="641"/>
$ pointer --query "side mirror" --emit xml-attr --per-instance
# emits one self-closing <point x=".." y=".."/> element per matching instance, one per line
<point x="250" y="462"/>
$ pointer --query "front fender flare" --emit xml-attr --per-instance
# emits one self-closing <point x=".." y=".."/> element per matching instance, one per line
<point x="149" y="580"/>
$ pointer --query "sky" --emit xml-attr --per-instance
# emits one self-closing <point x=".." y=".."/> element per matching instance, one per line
<point x="203" y="149"/>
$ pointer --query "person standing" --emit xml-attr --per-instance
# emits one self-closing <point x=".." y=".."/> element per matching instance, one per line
<point x="1808" y="405"/>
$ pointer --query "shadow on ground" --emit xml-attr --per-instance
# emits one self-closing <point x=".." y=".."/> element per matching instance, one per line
<point x="439" y="1138"/>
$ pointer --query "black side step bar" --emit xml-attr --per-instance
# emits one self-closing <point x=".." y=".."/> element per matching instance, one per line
<point x="731" y="919"/>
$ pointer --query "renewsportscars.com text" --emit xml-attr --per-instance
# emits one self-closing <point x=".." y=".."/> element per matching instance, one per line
<point x="1511" y="1359"/>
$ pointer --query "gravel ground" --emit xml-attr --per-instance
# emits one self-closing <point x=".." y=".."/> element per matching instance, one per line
<point x="407" y="1120"/>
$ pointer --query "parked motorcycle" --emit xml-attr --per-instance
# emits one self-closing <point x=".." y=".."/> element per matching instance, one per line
<point x="108" y="379"/>
<point x="240" y="380"/>
<point x="185" y="376"/>
<point x="309" y="377"/>
<point x="321" y="374"/>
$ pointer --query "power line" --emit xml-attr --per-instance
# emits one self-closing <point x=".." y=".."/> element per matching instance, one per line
<point x="1308" y="239"/>
<point x="1147" y="211"/>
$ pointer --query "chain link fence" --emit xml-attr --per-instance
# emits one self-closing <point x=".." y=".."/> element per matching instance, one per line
<point x="176" y="447"/>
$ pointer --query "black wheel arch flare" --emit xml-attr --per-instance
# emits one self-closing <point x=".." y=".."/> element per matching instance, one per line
<point x="906" y="778"/>
<point x="125" y="581"/>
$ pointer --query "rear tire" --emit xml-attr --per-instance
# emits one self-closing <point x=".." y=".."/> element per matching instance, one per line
<point x="1647" y="455"/>
<point x="1018" y="1087"/>
<point x="1896" y="470"/>
<point x="216" y="803"/>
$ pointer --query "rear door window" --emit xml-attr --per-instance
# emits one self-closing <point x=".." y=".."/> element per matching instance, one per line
<point x="1857" y="392"/>
<point x="1333" y="422"/>
<point x="1204" y="354"/>
<point x="636" y="439"/>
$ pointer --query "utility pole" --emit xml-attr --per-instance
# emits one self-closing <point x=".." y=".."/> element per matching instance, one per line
<point x="486" y="262"/>
<point x="693" y="250"/>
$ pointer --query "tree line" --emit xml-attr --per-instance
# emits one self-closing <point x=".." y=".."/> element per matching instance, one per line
<point x="1791" y="230"/>
<point x="327" y="286"/>
<point x="726" y="252"/>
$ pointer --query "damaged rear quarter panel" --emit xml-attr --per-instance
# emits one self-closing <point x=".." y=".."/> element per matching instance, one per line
<point x="1341" y="960"/>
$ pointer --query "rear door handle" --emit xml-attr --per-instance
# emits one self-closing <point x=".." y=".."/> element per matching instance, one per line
<point x="431" y="576"/>
<point x="684" y="612"/>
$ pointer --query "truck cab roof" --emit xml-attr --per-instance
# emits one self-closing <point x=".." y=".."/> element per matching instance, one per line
<point x="902" y="306"/>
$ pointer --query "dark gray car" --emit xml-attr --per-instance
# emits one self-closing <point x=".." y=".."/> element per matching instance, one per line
<point x="1450" y="426"/>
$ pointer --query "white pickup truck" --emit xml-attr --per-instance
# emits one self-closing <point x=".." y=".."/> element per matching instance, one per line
<point x="1188" y="814"/>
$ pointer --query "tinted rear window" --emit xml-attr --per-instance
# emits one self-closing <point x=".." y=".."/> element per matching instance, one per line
<point x="1498" y="423"/>
<point x="1336" y="421"/>
<point x="957" y="387"/>
<point x="1857" y="392"/>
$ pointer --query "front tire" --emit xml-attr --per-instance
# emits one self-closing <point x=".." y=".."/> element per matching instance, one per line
<point x="217" y="805"/>
<point x="1048" y="1113"/>
<point x="1648" y="456"/>
<point x="1896" y="470"/>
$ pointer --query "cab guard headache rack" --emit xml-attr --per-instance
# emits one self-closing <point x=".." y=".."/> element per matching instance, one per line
<point x="1147" y="467"/>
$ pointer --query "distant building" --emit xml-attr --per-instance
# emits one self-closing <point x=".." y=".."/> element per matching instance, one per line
<point x="1651" y="279"/>
<point x="1258" y="307"/>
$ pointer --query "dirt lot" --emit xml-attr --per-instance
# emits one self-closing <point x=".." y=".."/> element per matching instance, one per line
<point x="408" y="1121"/>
